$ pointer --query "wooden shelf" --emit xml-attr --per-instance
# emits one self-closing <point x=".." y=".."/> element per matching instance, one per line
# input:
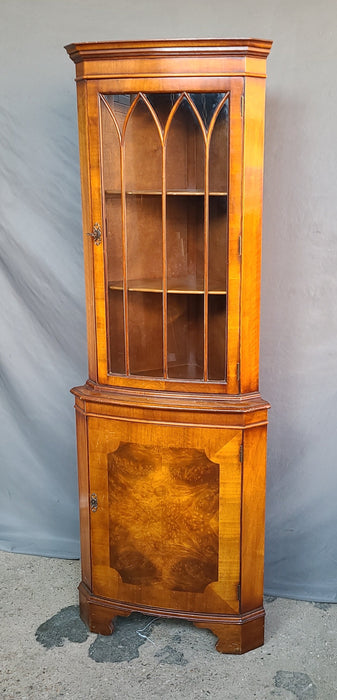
<point x="175" y="371"/>
<point x="185" y="371"/>
<point x="171" y="193"/>
<point x="153" y="372"/>
<point x="178" y="286"/>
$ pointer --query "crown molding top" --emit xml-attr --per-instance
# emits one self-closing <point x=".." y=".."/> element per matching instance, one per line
<point x="107" y="50"/>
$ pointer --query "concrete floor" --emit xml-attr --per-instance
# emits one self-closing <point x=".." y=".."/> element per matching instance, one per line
<point x="46" y="651"/>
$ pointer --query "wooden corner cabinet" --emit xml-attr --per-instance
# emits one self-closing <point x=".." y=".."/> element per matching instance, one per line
<point x="171" y="428"/>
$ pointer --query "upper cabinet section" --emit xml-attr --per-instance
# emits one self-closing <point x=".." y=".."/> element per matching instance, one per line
<point x="171" y="148"/>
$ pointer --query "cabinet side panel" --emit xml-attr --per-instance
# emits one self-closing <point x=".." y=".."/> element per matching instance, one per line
<point x="234" y="229"/>
<point x="251" y="231"/>
<point x="253" y="514"/>
<point x="83" y="487"/>
<point x="87" y="224"/>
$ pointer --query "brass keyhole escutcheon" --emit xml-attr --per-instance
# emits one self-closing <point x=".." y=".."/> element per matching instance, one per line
<point x="96" y="234"/>
<point x="93" y="503"/>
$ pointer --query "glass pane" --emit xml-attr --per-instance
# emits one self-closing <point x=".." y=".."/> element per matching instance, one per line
<point x="116" y="331"/>
<point x="219" y="152"/>
<point x="144" y="242"/>
<point x="217" y="261"/>
<point x="206" y="104"/>
<point x="185" y="152"/>
<point x="146" y="333"/>
<point x="216" y="336"/>
<point x="111" y="187"/>
<point x="114" y="265"/>
<point x="185" y="242"/>
<point x="119" y="105"/>
<point x="143" y="152"/>
<point x="162" y="103"/>
<point x="185" y="332"/>
<point x="110" y="148"/>
<point x="218" y="246"/>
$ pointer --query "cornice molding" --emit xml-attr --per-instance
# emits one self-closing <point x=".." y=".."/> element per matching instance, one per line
<point x="114" y="50"/>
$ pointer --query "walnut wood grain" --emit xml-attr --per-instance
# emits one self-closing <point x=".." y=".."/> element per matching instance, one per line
<point x="174" y="493"/>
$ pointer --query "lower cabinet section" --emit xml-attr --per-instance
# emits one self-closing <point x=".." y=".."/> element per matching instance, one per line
<point x="172" y="523"/>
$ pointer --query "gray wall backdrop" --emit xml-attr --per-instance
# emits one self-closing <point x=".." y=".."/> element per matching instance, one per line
<point x="43" y="338"/>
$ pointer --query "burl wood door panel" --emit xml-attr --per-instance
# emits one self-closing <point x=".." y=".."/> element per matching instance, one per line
<point x="166" y="532"/>
<point x="172" y="537"/>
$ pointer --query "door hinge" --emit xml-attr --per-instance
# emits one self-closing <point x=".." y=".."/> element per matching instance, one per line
<point x="241" y="453"/>
<point x="238" y="591"/>
<point x="93" y="503"/>
<point x="238" y="371"/>
<point x="242" y="104"/>
<point x="96" y="234"/>
<point x="240" y="245"/>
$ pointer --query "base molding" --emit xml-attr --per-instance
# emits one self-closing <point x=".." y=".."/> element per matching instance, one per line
<point x="236" y="634"/>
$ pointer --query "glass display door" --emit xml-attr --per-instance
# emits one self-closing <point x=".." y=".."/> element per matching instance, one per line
<point x="164" y="160"/>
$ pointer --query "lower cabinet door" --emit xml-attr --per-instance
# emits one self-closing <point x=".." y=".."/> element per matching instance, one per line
<point x="165" y="514"/>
